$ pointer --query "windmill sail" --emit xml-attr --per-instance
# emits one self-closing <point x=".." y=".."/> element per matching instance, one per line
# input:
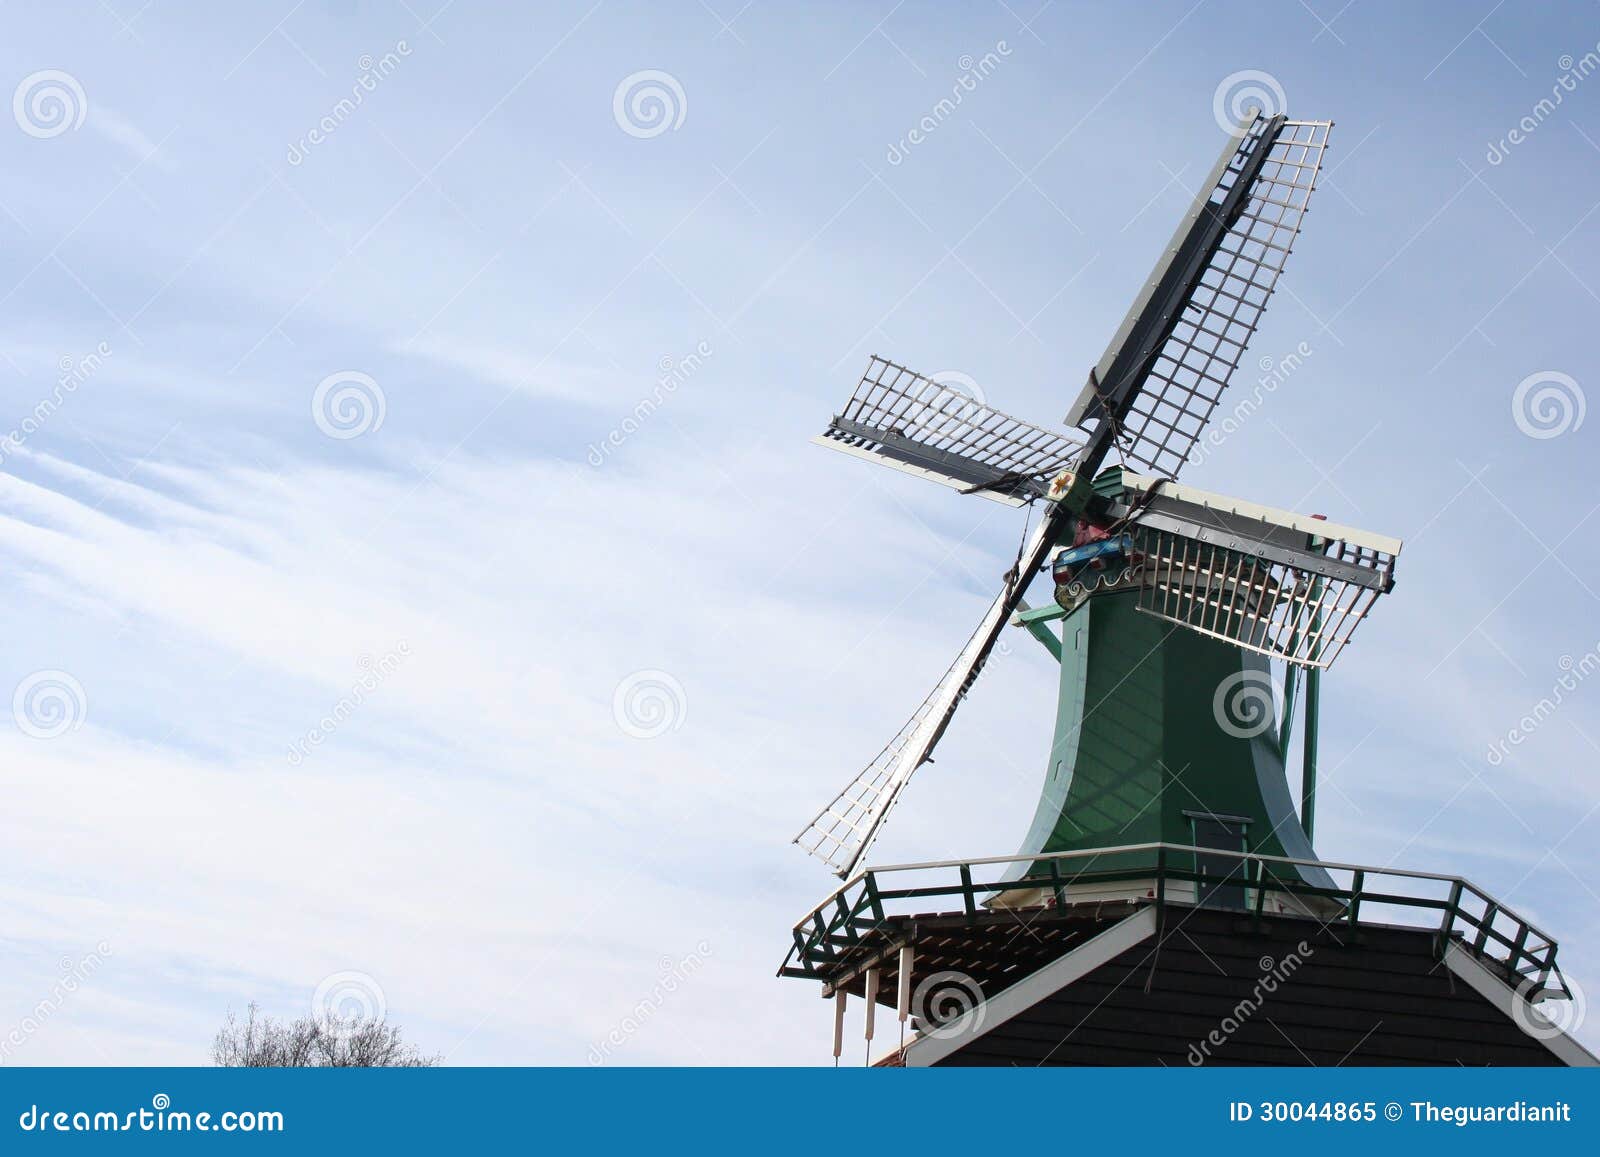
<point x="1280" y="584"/>
<point x="843" y="831"/>
<point x="926" y="427"/>
<point x="1161" y="378"/>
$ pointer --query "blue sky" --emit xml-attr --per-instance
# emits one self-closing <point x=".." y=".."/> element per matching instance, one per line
<point x="505" y="866"/>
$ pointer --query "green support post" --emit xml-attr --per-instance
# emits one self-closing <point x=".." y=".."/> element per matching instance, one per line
<point x="1286" y="728"/>
<point x="1036" y="621"/>
<point x="1308" y="766"/>
<point x="1308" y="763"/>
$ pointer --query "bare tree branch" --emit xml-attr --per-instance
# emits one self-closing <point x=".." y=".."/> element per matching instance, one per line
<point x="261" y="1042"/>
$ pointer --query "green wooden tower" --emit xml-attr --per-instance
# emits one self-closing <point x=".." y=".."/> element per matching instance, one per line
<point x="1165" y="735"/>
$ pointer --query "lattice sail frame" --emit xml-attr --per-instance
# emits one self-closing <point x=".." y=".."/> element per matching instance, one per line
<point x="1187" y="377"/>
<point x="929" y="428"/>
<point x="841" y="829"/>
<point x="842" y="832"/>
<point x="1280" y="584"/>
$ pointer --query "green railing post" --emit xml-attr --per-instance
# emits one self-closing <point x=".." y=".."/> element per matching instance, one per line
<point x="1356" y="885"/>
<point x="1489" y="914"/>
<point x="846" y="922"/>
<point x="966" y="890"/>
<point x="1161" y="883"/>
<point x="1452" y="909"/>
<point x="1518" y="947"/>
<point x="819" y="935"/>
<point x="1261" y="893"/>
<point x="1055" y="884"/>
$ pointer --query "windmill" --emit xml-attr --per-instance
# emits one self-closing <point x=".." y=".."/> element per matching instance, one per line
<point x="1251" y="579"/>
<point x="1166" y="848"/>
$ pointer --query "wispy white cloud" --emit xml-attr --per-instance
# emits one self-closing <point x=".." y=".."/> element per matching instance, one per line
<point x="484" y="797"/>
<point x="126" y="135"/>
<point x="524" y="371"/>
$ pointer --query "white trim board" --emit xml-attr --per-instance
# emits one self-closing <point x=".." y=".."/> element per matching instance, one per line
<point x="1500" y="994"/>
<point x="1023" y="995"/>
<point x="1288" y="518"/>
